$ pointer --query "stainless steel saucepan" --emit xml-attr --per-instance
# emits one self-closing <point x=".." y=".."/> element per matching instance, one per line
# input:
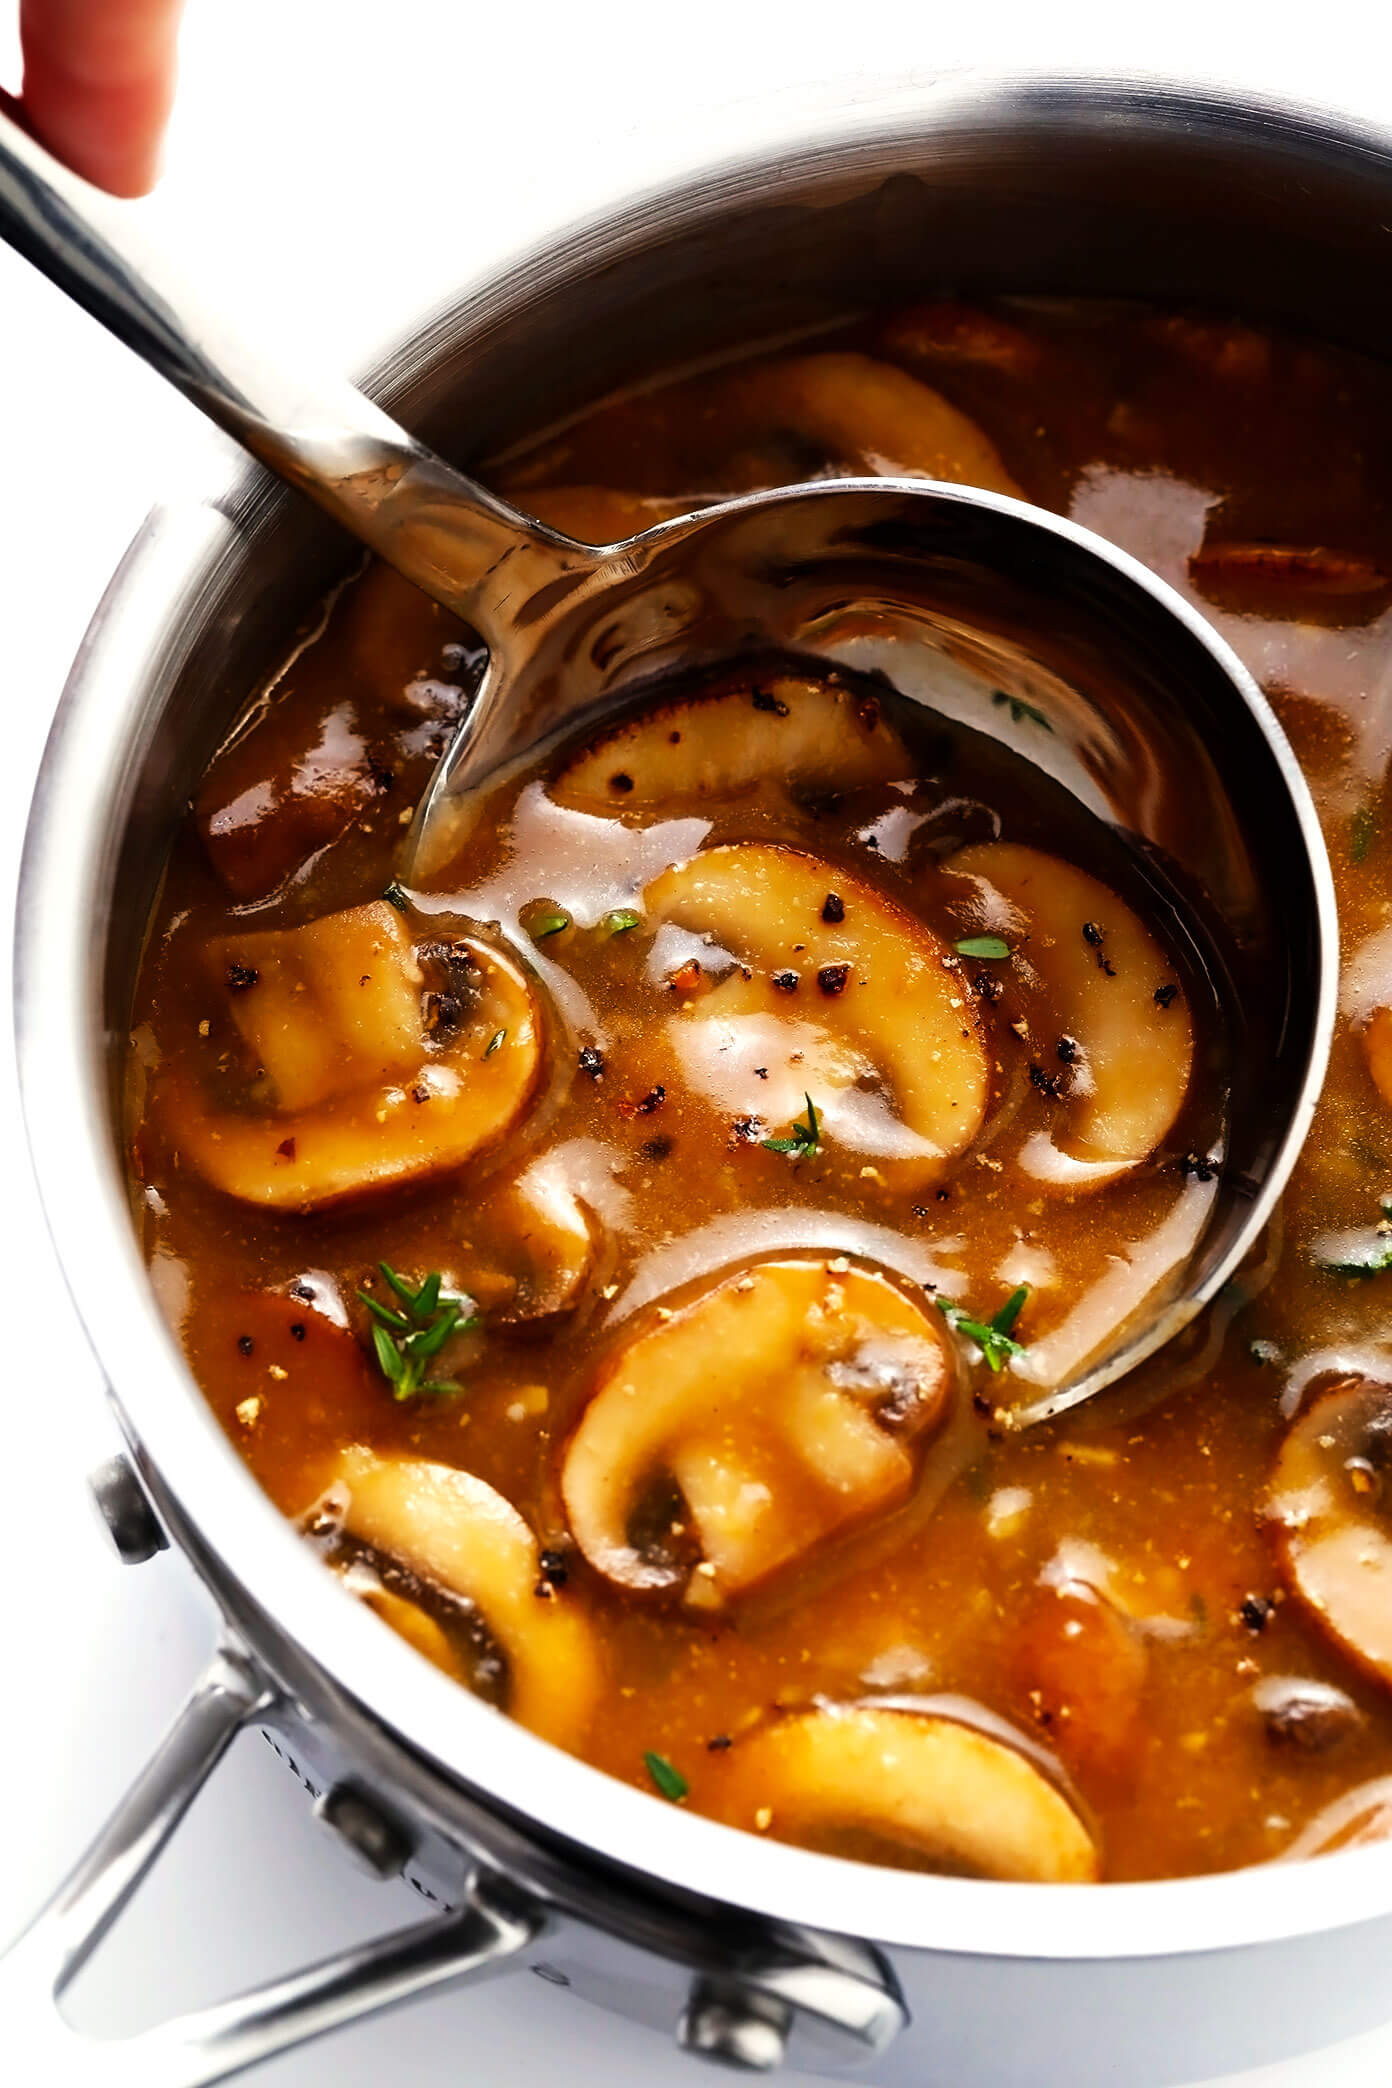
<point x="746" y="1951"/>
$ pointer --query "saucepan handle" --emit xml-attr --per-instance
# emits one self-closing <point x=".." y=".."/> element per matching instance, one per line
<point x="212" y="2044"/>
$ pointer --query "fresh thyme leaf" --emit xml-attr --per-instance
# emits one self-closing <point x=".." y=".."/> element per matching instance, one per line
<point x="399" y="1285"/>
<point x="992" y="1337"/>
<point x="388" y="1356"/>
<point x="620" y="921"/>
<point x="397" y="1321"/>
<point x="430" y="1340"/>
<point x="806" y="1137"/>
<point x="1362" y="828"/>
<point x="404" y="1342"/>
<point x="1005" y="1319"/>
<point x="493" y="1042"/>
<point x="669" y="1780"/>
<point x="395" y="895"/>
<point x="1019" y="709"/>
<point x="982" y="946"/>
<point x="548" y="924"/>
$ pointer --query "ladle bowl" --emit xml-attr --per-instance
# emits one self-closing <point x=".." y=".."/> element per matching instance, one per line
<point x="961" y="599"/>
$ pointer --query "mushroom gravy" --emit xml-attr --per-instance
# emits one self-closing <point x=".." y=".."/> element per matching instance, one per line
<point x="628" y="1256"/>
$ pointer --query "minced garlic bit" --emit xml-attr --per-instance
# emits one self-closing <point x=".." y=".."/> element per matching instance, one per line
<point x="279" y="1372"/>
<point x="763" y="1818"/>
<point x="205" y="1028"/>
<point x="248" y="1411"/>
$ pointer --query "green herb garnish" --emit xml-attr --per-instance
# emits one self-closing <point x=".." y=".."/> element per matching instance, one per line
<point x="668" y="1780"/>
<point x="993" y="1337"/>
<point x="620" y="921"/>
<point x="806" y="1137"/>
<point x="1019" y="709"/>
<point x="983" y="946"/>
<point x="493" y="1042"/>
<point x="1362" y="828"/>
<point x="395" y="895"/>
<point x="547" y="924"/>
<point x="406" y="1336"/>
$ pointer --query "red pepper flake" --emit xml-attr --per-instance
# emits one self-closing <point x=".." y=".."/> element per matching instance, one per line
<point x="286" y="1149"/>
<point x="688" y="977"/>
<point x="654" y="1099"/>
<point x="832" y="978"/>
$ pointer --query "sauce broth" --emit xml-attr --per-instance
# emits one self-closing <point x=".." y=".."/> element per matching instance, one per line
<point x="1115" y="1636"/>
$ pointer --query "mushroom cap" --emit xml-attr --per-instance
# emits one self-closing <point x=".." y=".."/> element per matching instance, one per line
<point x="889" y="1040"/>
<point x="774" y="730"/>
<point x="953" y="1796"/>
<point x="785" y="1402"/>
<point x="1328" y="1509"/>
<point x="1090" y="974"/>
<point x="342" y="1090"/>
<point x="457" y="1533"/>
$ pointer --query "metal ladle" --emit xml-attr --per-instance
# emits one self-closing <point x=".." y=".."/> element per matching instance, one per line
<point x="986" y="610"/>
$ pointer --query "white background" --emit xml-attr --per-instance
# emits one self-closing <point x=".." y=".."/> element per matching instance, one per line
<point x="333" y="164"/>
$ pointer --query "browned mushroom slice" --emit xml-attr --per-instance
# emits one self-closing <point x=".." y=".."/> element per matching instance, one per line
<point x="945" y="332"/>
<point x="1109" y="1029"/>
<point x="452" y="1532"/>
<point x="775" y="1409"/>
<point x="874" y="1021"/>
<point x="1305" y="582"/>
<point x="867" y="415"/>
<point x="333" y="1068"/>
<point x="1329" y="1508"/>
<point x="281" y="792"/>
<point x="779" y="731"/>
<point x="539" y="1241"/>
<point x="944" y="1792"/>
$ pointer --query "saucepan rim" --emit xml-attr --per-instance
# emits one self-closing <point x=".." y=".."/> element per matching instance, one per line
<point x="166" y="583"/>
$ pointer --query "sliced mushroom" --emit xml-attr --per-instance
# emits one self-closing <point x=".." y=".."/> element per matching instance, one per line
<point x="1301" y="582"/>
<point x="835" y="992"/>
<point x="946" y="332"/>
<point x="540" y="1242"/>
<point x="865" y="414"/>
<point x="453" y="1532"/>
<point x="776" y="1409"/>
<point x="1110" y="1037"/>
<point x="1083" y="1667"/>
<point x="280" y="792"/>
<point x="935" y="1787"/>
<point x="332" y="1067"/>
<point x="1329" y="1507"/>
<point x="1377" y="1049"/>
<point x="779" y="730"/>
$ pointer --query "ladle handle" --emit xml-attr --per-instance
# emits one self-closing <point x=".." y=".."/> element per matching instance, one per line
<point x="452" y="537"/>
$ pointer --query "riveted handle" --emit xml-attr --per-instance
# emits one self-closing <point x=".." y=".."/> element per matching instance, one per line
<point x="212" y="2044"/>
